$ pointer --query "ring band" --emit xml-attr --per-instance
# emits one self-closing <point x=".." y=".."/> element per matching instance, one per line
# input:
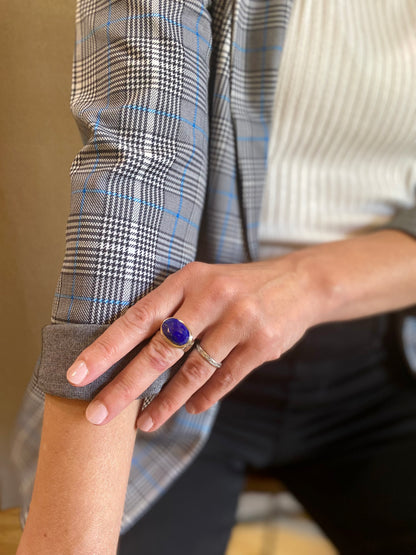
<point x="206" y="356"/>
<point x="176" y="333"/>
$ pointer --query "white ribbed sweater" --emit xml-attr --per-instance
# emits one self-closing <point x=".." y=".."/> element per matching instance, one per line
<point x="342" y="151"/>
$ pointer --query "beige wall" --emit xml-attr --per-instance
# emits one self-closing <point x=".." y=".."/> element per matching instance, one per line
<point x="39" y="139"/>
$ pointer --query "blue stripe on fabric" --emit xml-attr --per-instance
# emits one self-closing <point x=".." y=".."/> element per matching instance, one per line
<point x="145" y="473"/>
<point x="228" y="194"/>
<point x="96" y="149"/>
<point x="231" y="196"/>
<point x="142" y="16"/>
<point x="92" y="299"/>
<point x="192" y="425"/>
<point x="135" y="199"/>
<point x="185" y="171"/>
<point x="223" y="96"/>
<point x="168" y="115"/>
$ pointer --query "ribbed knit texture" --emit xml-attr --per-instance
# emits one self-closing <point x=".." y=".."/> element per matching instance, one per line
<point x="342" y="152"/>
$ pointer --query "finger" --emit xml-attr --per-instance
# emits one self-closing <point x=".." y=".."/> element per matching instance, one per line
<point x="218" y="342"/>
<point x="139" y="322"/>
<point x="240" y="362"/>
<point x="154" y="359"/>
<point x="194" y="373"/>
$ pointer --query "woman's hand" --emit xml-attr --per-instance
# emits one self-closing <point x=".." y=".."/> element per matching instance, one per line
<point x="243" y="315"/>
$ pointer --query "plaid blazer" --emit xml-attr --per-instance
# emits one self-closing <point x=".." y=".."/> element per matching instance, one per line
<point x="173" y="100"/>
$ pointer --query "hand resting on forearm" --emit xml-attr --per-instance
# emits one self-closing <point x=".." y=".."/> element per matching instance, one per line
<point x="244" y="315"/>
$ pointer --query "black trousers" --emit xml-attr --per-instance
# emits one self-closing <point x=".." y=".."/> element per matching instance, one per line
<point x="335" y="420"/>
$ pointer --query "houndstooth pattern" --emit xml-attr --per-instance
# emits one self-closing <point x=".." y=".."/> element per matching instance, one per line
<point x="173" y="101"/>
<point x="159" y="88"/>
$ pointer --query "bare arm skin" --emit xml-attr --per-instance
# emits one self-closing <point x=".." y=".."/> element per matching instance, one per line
<point x="81" y="481"/>
<point x="365" y="275"/>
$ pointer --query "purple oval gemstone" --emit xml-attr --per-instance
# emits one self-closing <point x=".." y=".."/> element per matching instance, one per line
<point x="176" y="331"/>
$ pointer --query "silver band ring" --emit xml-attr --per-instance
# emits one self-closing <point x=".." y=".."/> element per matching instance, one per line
<point x="206" y="356"/>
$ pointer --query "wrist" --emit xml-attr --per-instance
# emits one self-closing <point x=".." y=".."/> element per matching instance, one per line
<point x="321" y="287"/>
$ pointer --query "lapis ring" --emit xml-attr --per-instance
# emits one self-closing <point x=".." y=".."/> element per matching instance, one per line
<point x="175" y="332"/>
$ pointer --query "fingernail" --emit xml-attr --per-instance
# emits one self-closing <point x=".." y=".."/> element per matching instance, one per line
<point x="96" y="412"/>
<point x="77" y="372"/>
<point x="145" y="422"/>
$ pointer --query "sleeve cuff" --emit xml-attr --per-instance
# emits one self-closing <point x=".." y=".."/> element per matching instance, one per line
<point x="62" y="343"/>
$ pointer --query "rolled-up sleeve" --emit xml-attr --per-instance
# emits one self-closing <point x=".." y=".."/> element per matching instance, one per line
<point x="140" y="99"/>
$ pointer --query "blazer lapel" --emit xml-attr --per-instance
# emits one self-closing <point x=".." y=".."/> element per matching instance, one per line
<point x="255" y="58"/>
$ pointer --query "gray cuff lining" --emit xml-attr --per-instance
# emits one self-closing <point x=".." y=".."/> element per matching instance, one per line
<point x="62" y="343"/>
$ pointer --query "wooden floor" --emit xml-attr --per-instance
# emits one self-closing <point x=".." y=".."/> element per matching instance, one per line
<point x="281" y="538"/>
<point x="9" y="531"/>
<point x="272" y="539"/>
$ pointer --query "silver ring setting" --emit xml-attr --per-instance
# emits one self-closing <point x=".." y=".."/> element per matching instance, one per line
<point x="206" y="356"/>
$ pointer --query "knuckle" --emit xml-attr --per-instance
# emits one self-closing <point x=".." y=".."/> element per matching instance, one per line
<point x="193" y="372"/>
<point x="138" y="316"/>
<point x="225" y="380"/>
<point x="195" y="269"/>
<point x="124" y="389"/>
<point x="268" y="345"/>
<point x="203" y="401"/>
<point x="165" y="405"/>
<point x="222" y="288"/>
<point x="159" y="354"/>
<point x="275" y="353"/>
<point x="276" y="346"/>
<point x="265" y="339"/>
<point x="106" y="349"/>
<point x="247" y="309"/>
<point x="196" y="266"/>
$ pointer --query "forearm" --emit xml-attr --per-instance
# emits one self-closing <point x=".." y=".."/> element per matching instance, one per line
<point x="362" y="276"/>
<point x="81" y="481"/>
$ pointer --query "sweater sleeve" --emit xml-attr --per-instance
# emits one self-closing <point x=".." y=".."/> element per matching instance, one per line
<point x="140" y="99"/>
